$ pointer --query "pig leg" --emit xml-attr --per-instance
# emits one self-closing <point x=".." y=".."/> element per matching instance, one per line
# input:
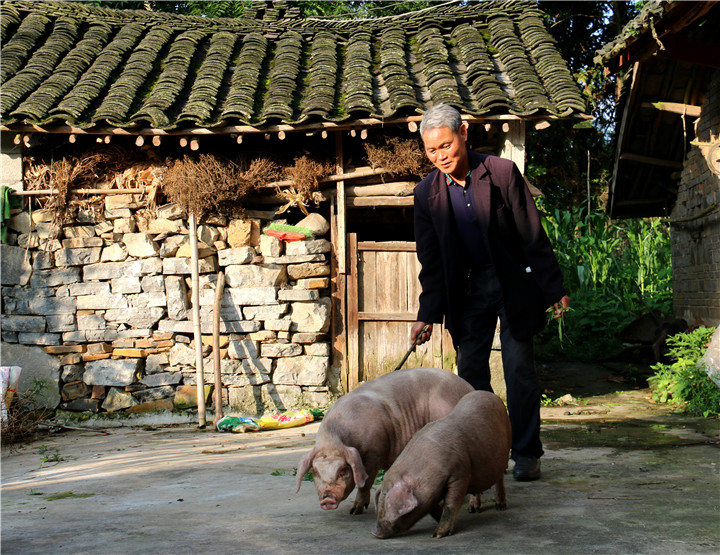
<point x="362" y="497"/>
<point x="500" y="499"/>
<point x="453" y="501"/>
<point x="474" y="505"/>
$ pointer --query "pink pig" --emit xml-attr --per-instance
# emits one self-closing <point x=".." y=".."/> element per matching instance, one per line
<point x="365" y="430"/>
<point x="465" y="452"/>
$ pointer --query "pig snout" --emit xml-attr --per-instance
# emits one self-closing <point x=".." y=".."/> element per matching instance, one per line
<point x="328" y="504"/>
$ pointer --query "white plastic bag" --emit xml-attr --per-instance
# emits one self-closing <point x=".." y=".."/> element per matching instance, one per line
<point x="710" y="361"/>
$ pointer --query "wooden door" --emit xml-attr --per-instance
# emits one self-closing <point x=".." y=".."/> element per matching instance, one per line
<point x="382" y="303"/>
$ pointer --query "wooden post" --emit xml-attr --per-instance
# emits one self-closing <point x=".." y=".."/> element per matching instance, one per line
<point x="353" y="324"/>
<point x="338" y="290"/>
<point x="512" y="142"/>
<point x="217" y="305"/>
<point x="192" y="221"/>
<point x="340" y="199"/>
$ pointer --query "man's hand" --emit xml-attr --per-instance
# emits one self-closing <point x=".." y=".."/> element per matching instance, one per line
<point x="417" y="333"/>
<point x="561" y="307"/>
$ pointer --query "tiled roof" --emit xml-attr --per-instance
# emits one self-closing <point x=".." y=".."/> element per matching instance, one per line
<point x="86" y="65"/>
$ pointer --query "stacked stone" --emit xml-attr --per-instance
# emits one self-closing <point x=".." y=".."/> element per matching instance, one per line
<point x="110" y="299"/>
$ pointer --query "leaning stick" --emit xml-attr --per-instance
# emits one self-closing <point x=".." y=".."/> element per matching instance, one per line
<point x="219" y="288"/>
<point x="194" y="263"/>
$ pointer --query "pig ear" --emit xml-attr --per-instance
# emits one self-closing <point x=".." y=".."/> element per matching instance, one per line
<point x="352" y="456"/>
<point x="303" y="467"/>
<point x="400" y="500"/>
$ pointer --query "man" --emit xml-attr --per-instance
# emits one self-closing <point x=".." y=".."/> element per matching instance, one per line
<point x="484" y="255"/>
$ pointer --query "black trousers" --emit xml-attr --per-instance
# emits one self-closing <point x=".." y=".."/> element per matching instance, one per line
<point x="483" y="308"/>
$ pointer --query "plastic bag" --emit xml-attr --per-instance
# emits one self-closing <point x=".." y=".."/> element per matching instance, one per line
<point x="237" y="424"/>
<point x="710" y="361"/>
<point x="286" y="419"/>
<point x="9" y="376"/>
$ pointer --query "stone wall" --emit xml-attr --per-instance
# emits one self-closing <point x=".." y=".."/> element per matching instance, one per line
<point x="109" y="299"/>
<point x="696" y="240"/>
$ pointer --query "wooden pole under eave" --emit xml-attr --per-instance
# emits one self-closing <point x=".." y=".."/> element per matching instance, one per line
<point x="340" y="200"/>
<point x="194" y="264"/>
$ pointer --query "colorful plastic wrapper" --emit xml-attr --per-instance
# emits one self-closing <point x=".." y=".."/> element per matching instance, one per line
<point x="287" y="419"/>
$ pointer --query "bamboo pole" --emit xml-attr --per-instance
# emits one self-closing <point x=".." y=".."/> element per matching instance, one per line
<point x="192" y="221"/>
<point x="40" y="192"/>
<point x="219" y="288"/>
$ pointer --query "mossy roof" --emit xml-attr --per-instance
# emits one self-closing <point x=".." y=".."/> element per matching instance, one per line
<point x="65" y="62"/>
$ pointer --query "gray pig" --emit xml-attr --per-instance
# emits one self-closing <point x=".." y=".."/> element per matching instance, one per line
<point x="465" y="452"/>
<point x="365" y="430"/>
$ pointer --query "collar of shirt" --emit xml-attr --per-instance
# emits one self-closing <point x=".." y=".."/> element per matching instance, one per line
<point x="450" y="181"/>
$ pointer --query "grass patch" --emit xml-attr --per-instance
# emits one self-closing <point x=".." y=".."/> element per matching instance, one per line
<point x="67" y="495"/>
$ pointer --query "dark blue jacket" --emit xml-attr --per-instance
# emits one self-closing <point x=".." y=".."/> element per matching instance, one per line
<point x="511" y="229"/>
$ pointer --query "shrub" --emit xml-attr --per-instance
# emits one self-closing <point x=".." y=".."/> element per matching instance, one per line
<point x="684" y="384"/>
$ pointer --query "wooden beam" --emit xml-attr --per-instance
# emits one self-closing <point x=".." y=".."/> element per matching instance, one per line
<point x="398" y="189"/>
<point x="41" y="192"/>
<point x="354" y="202"/>
<point x="650" y="160"/>
<point x="387" y="316"/>
<point x="338" y="294"/>
<point x="246" y="129"/>
<point x="396" y="246"/>
<point x="675" y="108"/>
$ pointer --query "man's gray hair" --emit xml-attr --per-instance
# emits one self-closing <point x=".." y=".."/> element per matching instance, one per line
<point x="441" y="115"/>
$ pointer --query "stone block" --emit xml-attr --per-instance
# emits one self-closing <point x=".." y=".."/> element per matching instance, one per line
<point x="77" y="257"/>
<point x="270" y="246"/>
<point x="93" y="288"/>
<point x="161" y="379"/>
<point x="118" y="399"/>
<point x="156" y="363"/>
<point x="281" y="397"/>
<point x="279" y="350"/>
<point x="114" y="253"/>
<point x="246" y="400"/>
<point x="125" y="285"/>
<point x="72" y="372"/>
<point x="316" y="223"/>
<point x="241" y="296"/>
<point x="16" y="265"/>
<point x="57" y="323"/>
<point x="242" y="349"/>
<point x="114" y="202"/>
<point x="101" y="302"/>
<point x="38" y="338"/>
<point x="146" y="300"/>
<point x="137" y="317"/>
<point x="82" y="405"/>
<point x="43" y="260"/>
<point x="153" y="284"/>
<point x="266" y="312"/>
<point x="300" y="295"/>
<point x="308" y="270"/>
<point x="23" y="323"/>
<point x="90" y="322"/>
<point x="79" y="231"/>
<point x="40" y="373"/>
<point x="170" y="246"/>
<point x="21" y="223"/>
<point x="164" y="225"/>
<point x="121" y="224"/>
<point x="235" y="256"/>
<point x="140" y="245"/>
<point x="301" y="370"/>
<point x="82" y="243"/>
<point x="277" y="325"/>
<point x="311" y="317"/>
<point x="155" y="393"/>
<point x="181" y="355"/>
<point x="243" y="233"/>
<point x="204" y="250"/>
<point x="119" y="372"/>
<point x="318" y="349"/>
<point x="178" y="265"/>
<point x="170" y="211"/>
<point x="176" y="294"/>
<point x="309" y="246"/>
<point x="75" y="390"/>
<point x="52" y="305"/>
<point x="255" y="276"/>
<point x="207" y="234"/>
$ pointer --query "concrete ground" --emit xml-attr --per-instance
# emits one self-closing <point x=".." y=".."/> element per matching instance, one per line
<point x="620" y="475"/>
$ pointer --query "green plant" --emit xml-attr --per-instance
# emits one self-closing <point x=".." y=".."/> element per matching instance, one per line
<point x="683" y="384"/>
<point x="46" y="457"/>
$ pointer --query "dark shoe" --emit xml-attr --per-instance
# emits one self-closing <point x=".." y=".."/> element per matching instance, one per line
<point x="526" y="469"/>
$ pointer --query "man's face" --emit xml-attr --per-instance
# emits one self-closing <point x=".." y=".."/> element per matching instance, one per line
<point x="446" y="150"/>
